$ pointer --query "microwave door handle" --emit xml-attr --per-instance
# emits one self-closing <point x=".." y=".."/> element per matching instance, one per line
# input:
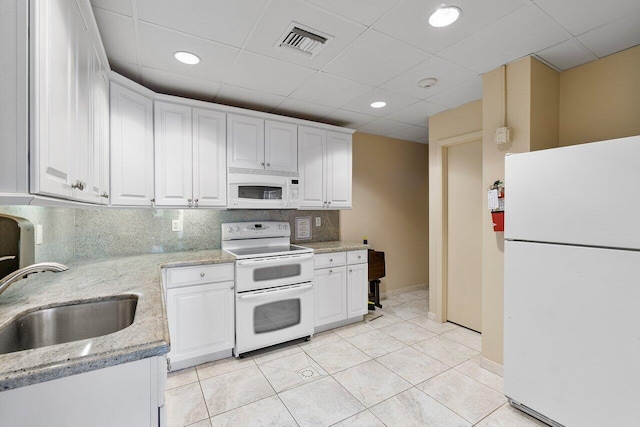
<point x="274" y="293"/>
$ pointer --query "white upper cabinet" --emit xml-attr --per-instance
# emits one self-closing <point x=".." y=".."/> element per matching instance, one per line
<point x="254" y="143"/>
<point x="280" y="146"/>
<point x="325" y="169"/>
<point x="189" y="156"/>
<point x="131" y="147"/>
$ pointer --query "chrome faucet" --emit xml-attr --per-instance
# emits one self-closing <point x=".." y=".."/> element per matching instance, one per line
<point x="13" y="277"/>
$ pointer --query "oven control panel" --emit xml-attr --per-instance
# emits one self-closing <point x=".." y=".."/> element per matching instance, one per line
<point x="253" y="230"/>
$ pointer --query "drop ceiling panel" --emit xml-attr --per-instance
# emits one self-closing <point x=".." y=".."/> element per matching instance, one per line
<point x="269" y="75"/>
<point x="127" y="69"/>
<point x="119" y="41"/>
<point x="119" y="6"/>
<point x="521" y="33"/>
<point x="302" y="110"/>
<point x="613" y="37"/>
<point x="173" y="84"/>
<point x="158" y="44"/>
<point x="329" y="90"/>
<point x="382" y="126"/>
<point x="348" y="118"/>
<point x="248" y="98"/>
<point x="395" y="102"/>
<point x="281" y="13"/>
<point x="459" y="95"/>
<point x="412" y="133"/>
<point x="567" y="54"/>
<point x="227" y="22"/>
<point x="448" y="75"/>
<point x="408" y="21"/>
<point x="579" y="16"/>
<point x="374" y="59"/>
<point x="417" y="114"/>
<point x="364" y="11"/>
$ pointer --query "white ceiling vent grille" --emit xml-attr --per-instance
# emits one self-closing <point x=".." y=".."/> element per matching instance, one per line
<point x="303" y="39"/>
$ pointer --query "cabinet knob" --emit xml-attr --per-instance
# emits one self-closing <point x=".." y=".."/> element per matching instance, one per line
<point x="190" y="201"/>
<point x="350" y="271"/>
<point x="261" y="163"/>
<point x="328" y="203"/>
<point x="330" y="271"/>
<point x="153" y="201"/>
<point x="196" y="202"/>
<point x="201" y="274"/>
<point x="232" y="287"/>
<point x="268" y="164"/>
<point x="359" y="256"/>
<point x="330" y="259"/>
<point x="79" y="185"/>
<point x="104" y="195"/>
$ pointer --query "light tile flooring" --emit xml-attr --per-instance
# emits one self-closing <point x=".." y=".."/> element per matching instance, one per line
<point x="398" y="369"/>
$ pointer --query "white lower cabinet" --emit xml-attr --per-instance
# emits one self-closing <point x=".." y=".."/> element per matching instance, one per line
<point x="200" y="311"/>
<point x="330" y="291"/>
<point x="357" y="292"/>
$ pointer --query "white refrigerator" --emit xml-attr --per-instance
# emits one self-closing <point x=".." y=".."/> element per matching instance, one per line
<point x="572" y="283"/>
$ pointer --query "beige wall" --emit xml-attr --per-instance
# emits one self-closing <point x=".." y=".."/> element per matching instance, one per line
<point x="601" y="99"/>
<point x="390" y="193"/>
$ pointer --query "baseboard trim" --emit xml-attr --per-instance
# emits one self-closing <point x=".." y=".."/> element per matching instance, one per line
<point x="431" y="316"/>
<point x="392" y="292"/>
<point x="492" y="366"/>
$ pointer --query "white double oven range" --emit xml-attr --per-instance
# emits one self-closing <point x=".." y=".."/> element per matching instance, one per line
<point x="274" y="284"/>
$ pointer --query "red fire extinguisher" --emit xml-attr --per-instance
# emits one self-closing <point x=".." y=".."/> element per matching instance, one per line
<point x="497" y="210"/>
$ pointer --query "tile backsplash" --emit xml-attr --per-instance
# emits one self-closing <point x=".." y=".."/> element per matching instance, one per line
<point x="77" y="234"/>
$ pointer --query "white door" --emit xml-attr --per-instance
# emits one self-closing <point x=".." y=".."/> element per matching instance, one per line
<point x="330" y="289"/>
<point x="245" y="142"/>
<point x="311" y="160"/>
<point x="173" y="154"/>
<point x="338" y="170"/>
<point x="465" y="196"/>
<point x="209" y="158"/>
<point x="131" y="147"/>
<point x="201" y="320"/>
<point x="357" y="290"/>
<point x="280" y="146"/>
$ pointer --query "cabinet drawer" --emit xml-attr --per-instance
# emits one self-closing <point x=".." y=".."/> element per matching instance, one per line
<point x="357" y="257"/>
<point x="186" y="276"/>
<point x="330" y="260"/>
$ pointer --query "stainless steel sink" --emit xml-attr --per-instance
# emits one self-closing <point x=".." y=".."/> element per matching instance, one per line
<point x="66" y="323"/>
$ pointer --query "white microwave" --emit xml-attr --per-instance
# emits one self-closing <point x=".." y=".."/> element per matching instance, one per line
<point x="257" y="191"/>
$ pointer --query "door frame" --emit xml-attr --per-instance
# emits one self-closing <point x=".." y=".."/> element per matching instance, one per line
<point x="438" y="227"/>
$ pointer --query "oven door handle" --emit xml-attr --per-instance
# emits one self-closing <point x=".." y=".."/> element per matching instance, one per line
<point x="291" y="290"/>
<point x="275" y="260"/>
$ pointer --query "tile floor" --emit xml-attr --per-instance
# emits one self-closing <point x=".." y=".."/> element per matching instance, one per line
<point x="398" y="369"/>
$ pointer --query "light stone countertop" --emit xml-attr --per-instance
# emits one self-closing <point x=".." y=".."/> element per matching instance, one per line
<point x="94" y="280"/>
<point x="335" y="246"/>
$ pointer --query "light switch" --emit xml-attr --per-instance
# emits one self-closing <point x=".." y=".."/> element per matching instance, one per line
<point x="318" y="221"/>
<point x="38" y="234"/>
<point x="176" y="225"/>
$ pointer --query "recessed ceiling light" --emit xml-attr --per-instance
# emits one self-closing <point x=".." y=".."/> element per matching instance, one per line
<point x="446" y="15"/>
<point x="428" y="82"/>
<point x="378" y="104"/>
<point x="187" y="58"/>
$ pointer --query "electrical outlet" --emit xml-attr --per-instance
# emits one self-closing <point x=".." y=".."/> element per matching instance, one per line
<point x="318" y="221"/>
<point x="503" y="135"/>
<point x="176" y="225"/>
<point x="38" y="234"/>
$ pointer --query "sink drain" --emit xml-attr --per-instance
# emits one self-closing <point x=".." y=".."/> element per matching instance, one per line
<point x="307" y="373"/>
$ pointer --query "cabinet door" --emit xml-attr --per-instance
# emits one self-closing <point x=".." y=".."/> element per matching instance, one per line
<point x="357" y="292"/>
<point x="338" y="170"/>
<point x="280" y="146"/>
<point x="103" y="117"/>
<point x="245" y="142"/>
<point x="99" y="138"/>
<point x="173" y="154"/>
<point x="330" y="290"/>
<point x="201" y="320"/>
<point x="209" y="158"/>
<point x="311" y="160"/>
<point x="52" y="155"/>
<point x="131" y="147"/>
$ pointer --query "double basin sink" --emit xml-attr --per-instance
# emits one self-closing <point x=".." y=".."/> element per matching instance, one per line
<point x="65" y="323"/>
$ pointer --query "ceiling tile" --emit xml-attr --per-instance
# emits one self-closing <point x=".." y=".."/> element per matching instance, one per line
<point x="119" y="6"/>
<point x="127" y="69"/>
<point x="613" y="37"/>
<point x="448" y="75"/>
<point x="521" y="33"/>
<point x="374" y="59"/>
<point x="395" y="102"/>
<point x="567" y="54"/>
<point x="364" y="11"/>
<point x="264" y="39"/>
<point x="228" y="22"/>
<point x="417" y="114"/>
<point x="118" y="35"/>
<point x="329" y="90"/>
<point x="408" y="21"/>
<point x="269" y="75"/>
<point x="158" y="44"/>
<point x="248" y="98"/>
<point x="412" y="133"/>
<point x="579" y="16"/>
<point x="302" y="110"/>
<point x="381" y="126"/>
<point x="459" y="95"/>
<point x="173" y="84"/>
<point x="348" y="118"/>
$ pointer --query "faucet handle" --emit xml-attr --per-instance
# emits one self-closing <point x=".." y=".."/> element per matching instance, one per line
<point x="7" y="258"/>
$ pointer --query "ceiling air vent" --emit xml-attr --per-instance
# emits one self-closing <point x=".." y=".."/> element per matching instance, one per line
<point x="304" y="40"/>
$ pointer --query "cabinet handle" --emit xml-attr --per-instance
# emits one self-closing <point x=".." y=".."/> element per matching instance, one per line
<point x="104" y="195"/>
<point x="168" y="364"/>
<point x="262" y="164"/>
<point x="79" y="185"/>
<point x="202" y="275"/>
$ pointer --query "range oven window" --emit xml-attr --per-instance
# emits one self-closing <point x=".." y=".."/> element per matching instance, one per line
<point x="277" y="272"/>
<point x="259" y="192"/>
<point x="276" y="315"/>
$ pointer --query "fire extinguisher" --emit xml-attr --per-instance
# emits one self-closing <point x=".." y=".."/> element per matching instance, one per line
<point x="496" y="204"/>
